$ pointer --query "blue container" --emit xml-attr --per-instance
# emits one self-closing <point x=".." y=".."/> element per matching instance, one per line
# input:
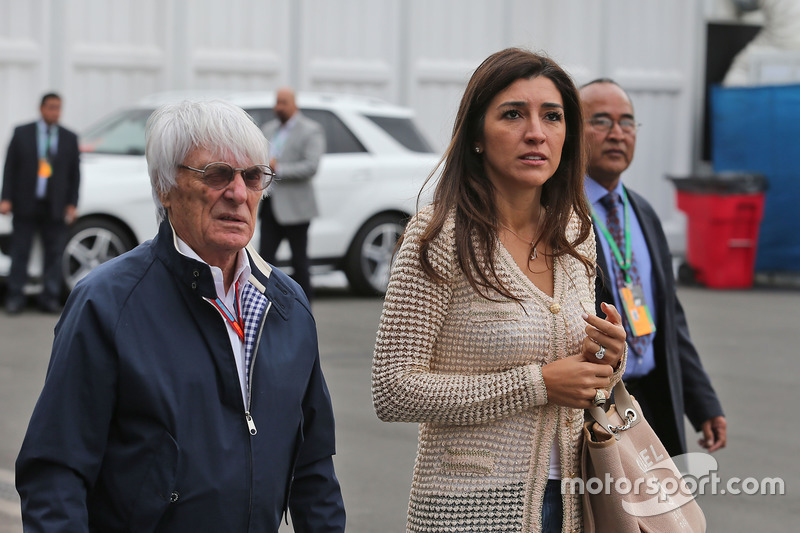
<point x="757" y="129"/>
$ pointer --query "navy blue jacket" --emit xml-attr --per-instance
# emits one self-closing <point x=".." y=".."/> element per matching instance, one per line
<point x="680" y="378"/>
<point x="141" y="423"/>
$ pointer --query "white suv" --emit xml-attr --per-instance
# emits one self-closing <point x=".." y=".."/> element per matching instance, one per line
<point x="366" y="185"/>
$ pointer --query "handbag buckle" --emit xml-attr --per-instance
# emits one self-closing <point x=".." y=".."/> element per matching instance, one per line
<point x="630" y="418"/>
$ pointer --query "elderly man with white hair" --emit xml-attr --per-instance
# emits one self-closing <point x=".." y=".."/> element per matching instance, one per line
<point x="184" y="391"/>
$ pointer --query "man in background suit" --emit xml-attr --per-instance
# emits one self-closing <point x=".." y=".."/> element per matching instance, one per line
<point x="40" y="188"/>
<point x="296" y="146"/>
<point x="663" y="371"/>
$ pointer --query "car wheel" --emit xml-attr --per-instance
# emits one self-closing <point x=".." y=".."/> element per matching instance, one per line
<point x="92" y="241"/>
<point x="370" y="257"/>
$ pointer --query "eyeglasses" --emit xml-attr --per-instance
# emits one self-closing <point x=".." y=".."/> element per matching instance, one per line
<point x="605" y="124"/>
<point x="218" y="175"/>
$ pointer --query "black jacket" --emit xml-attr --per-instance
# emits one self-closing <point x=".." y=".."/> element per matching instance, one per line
<point x="21" y="172"/>
<point x="679" y="372"/>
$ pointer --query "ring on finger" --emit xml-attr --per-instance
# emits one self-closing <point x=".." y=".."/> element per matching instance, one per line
<point x="601" y="352"/>
<point x="599" y="398"/>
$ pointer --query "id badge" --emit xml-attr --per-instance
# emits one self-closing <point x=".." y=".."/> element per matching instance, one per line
<point x="45" y="169"/>
<point x="639" y="318"/>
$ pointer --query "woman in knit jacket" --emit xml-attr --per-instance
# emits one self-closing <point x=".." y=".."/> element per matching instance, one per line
<point x="487" y="336"/>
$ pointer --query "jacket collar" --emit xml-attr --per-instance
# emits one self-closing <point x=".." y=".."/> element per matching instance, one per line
<point x="272" y="286"/>
<point x="196" y="276"/>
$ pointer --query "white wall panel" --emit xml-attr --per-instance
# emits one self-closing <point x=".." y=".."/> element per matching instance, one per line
<point x="102" y="55"/>
<point x="24" y="46"/>
<point x="114" y="53"/>
<point x="20" y="21"/>
<point x="231" y="45"/>
<point x="18" y="104"/>
<point x="446" y="41"/>
<point x="436" y="103"/>
<point x="351" y="47"/>
<point x="559" y="29"/>
<point x="457" y="29"/>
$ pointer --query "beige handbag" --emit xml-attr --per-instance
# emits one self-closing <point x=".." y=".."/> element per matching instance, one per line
<point x="630" y="483"/>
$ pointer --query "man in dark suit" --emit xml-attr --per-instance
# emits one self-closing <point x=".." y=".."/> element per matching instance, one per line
<point x="296" y="146"/>
<point x="664" y="370"/>
<point x="40" y="188"/>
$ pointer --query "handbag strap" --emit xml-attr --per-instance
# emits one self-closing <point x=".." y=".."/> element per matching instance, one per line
<point x="624" y="406"/>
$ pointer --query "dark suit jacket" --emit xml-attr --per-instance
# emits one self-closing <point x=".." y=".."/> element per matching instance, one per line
<point x="679" y="373"/>
<point x="22" y="169"/>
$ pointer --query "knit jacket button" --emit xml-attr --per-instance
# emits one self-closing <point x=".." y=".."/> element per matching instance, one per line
<point x="555" y="308"/>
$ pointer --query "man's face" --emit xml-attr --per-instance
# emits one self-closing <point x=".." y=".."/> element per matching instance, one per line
<point x="285" y="105"/>
<point x="610" y="150"/>
<point x="51" y="110"/>
<point x="216" y="224"/>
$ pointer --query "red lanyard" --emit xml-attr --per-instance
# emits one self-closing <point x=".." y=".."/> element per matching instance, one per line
<point x="236" y="323"/>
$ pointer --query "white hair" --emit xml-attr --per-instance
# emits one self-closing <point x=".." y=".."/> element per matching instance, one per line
<point x="174" y="130"/>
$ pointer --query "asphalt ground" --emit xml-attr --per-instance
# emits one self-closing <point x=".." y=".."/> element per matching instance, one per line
<point x="748" y="340"/>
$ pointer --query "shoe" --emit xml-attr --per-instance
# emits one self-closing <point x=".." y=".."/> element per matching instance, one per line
<point x="50" y="306"/>
<point x="14" y="307"/>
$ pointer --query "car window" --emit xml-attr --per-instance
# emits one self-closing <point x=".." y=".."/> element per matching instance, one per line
<point x="122" y="133"/>
<point x="403" y="131"/>
<point x="338" y="137"/>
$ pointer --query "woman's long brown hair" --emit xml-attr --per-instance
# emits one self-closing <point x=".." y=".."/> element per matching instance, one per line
<point x="463" y="183"/>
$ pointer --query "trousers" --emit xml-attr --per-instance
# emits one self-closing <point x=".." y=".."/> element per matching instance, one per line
<point x="53" y="233"/>
<point x="273" y="232"/>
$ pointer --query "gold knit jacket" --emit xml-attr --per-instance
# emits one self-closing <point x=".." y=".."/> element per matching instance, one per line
<point x="469" y="371"/>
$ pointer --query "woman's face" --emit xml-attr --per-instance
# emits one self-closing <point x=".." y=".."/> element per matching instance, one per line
<point x="523" y="134"/>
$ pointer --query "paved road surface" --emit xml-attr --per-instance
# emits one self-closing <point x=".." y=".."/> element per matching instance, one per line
<point x="749" y="341"/>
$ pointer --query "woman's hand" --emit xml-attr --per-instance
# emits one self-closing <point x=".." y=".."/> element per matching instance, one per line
<point x="573" y="381"/>
<point x="605" y="338"/>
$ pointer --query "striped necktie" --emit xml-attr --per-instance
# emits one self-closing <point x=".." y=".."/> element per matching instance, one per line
<point x="612" y="202"/>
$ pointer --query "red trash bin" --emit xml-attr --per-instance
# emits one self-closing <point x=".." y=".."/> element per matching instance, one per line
<point x="724" y="214"/>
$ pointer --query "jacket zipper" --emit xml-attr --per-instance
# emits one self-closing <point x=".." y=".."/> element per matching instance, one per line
<point x="251" y="425"/>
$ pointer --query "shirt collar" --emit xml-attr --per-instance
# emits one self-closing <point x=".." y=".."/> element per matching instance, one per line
<point x="595" y="191"/>
<point x="242" y="267"/>
<point x="41" y="125"/>
<point x="290" y="123"/>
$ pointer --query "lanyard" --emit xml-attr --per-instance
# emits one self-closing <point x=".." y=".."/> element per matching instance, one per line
<point x="45" y="148"/>
<point x="626" y="263"/>
<point x="236" y="324"/>
<point x="280" y="137"/>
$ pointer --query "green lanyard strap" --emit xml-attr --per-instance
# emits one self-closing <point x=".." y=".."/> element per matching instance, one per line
<point x="624" y="264"/>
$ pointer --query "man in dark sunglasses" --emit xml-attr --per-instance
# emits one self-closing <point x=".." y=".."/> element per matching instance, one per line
<point x="184" y="391"/>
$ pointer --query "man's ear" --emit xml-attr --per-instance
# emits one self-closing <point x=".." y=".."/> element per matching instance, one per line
<point x="164" y="198"/>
